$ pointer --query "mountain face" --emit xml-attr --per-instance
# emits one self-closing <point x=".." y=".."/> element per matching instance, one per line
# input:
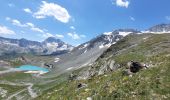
<point x="106" y="39"/>
<point x="50" y="46"/>
<point x="88" y="52"/>
<point x="55" y="46"/>
<point x="160" y="28"/>
<point x="134" y="47"/>
<point x="106" y="79"/>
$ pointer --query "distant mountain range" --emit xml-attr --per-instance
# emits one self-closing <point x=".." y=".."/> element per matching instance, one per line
<point x="49" y="46"/>
<point x="53" y="46"/>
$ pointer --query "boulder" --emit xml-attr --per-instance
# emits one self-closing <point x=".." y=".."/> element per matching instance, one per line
<point x="72" y="77"/>
<point x="81" y="85"/>
<point x="49" y="65"/>
<point x="135" y="66"/>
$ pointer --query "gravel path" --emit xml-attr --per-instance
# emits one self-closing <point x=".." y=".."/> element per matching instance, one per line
<point x="8" y="71"/>
<point x="15" y="94"/>
<point x="31" y="92"/>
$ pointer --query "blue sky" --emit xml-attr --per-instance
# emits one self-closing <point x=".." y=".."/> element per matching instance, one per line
<point x="77" y="21"/>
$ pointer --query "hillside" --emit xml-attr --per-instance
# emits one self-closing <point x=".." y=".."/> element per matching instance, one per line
<point x="99" y="82"/>
<point x="88" y="52"/>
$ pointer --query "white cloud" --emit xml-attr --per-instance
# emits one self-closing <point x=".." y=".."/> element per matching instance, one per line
<point x="11" y="5"/>
<point x="18" y="23"/>
<point x="22" y="32"/>
<point x="27" y="10"/>
<point x="37" y="29"/>
<point x="5" y="31"/>
<point x="7" y="18"/>
<point x="121" y="3"/>
<point x="32" y="27"/>
<point x="46" y="35"/>
<point x="132" y="18"/>
<point x="83" y="36"/>
<point x="75" y="36"/>
<point x="59" y="36"/>
<point x="54" y="10"/>
<point x="30" y="24"/>
<point x="167" y="18"/>
<point x="72" y="27"/>
<point x="39" y="17"/>
<point x="27" y="25"/>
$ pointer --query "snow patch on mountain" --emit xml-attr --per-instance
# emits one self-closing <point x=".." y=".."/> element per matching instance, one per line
<point x="84" y="46"/>
<point x="56" y="59"/>
<point x="85" y="51"/>
<point x="108" y="45"/>
<point x="51" y="47"/>
<point x="101" y="46"/>
<point x="163" y="32"/>
<point x="124" y="33"/>
<point x="107" y="33"/>
<point x="70" y="68"/>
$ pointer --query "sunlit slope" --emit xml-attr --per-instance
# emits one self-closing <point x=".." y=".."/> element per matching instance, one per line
<point x="151" y="83"/>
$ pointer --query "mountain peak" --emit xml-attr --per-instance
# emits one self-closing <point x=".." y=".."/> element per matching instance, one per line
<point x="52" y="39"/>
<point x="127" y="30"/>
<point x="160" y="28"/>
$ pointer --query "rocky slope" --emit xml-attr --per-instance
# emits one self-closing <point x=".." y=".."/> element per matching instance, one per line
<point x="104" y="79"/>
<point x="160" y="28"/>
<point x="88" y="52"/>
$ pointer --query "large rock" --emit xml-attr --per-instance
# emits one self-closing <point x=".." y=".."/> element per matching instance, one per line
<point x="135" y="66"/>
<point x="108" y="66"/>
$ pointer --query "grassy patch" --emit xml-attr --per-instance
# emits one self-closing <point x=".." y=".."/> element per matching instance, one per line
<point x="10" y="89"/>
<point x="114" y="85"/>
<point x="15" y="76"/>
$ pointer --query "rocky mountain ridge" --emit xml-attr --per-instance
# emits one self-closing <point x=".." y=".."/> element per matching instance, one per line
<point x="50" y="46"/>
<point x="88" y="52"/>
<point x="163" y="28"/>
<point x="105" y="79"/>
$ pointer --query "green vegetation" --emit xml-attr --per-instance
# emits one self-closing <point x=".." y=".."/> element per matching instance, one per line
<point x="16" y="63"/>
<point x="10" y="89"/>
<point x="151" y="83"/>
<point x="147" y="84"/>
<point x="15" y="77"/>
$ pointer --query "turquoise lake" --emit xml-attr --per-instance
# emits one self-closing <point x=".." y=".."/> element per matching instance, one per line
<point x="31" y="68"/>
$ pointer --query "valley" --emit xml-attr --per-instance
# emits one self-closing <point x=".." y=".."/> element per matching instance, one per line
<point x="84" y="50"/>
<point x="92" y="70"/>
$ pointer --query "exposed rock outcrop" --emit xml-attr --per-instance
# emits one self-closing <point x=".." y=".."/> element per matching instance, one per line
<point x="49" y="65"/>
<point x="98" y="69"/>
<point x="107" y="67"/>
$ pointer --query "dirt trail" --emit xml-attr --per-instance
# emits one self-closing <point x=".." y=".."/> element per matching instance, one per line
<point x="8" y="71"/>
<point x="29" y="86"/>
<point x="31" y="91"/>
<point x="15" y="94"/>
